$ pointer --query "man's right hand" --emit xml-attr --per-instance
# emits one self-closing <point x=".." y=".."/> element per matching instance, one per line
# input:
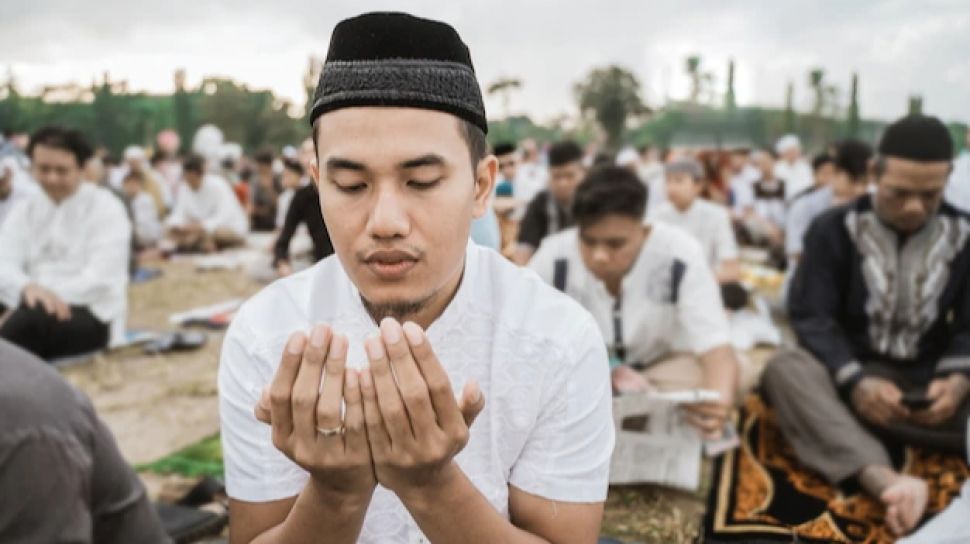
<point x="299" y="411"/>
<point x="879" y="401"/>
<point x="34" y="294"/>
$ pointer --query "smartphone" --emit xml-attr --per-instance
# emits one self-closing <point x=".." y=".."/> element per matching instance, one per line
<point x="916" y="400"/>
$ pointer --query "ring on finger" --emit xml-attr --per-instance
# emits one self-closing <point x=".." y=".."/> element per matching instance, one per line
<point x="338" y="430"/>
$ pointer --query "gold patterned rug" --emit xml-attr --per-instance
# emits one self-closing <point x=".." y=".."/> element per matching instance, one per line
<point x="761" y="493"/>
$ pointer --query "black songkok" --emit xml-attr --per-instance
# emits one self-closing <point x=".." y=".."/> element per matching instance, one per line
<point x="396" y="59"/>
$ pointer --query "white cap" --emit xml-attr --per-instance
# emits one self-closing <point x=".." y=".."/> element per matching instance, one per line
<point x="134" y="153"/>
<point x="786" y="142"/>
<point x="627" y="156"/>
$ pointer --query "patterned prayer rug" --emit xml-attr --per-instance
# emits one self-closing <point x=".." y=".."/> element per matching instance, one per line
<point x="761" y="493"/>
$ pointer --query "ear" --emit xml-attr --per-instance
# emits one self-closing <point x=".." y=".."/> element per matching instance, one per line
<point x="314" y="171"/>
<point x="485" y="174"/>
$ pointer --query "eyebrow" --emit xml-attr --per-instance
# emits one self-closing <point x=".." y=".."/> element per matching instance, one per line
<point x="430" y="159"/>
<point x="344" y="164"/>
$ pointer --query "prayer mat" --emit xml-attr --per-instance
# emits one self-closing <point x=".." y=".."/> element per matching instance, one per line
<point x="761" y="493"/>
<point x="204" y="458"/>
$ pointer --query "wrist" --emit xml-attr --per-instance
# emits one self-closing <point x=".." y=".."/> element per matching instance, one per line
<point x="439" y="489"/>
<point x="345" y="502"/>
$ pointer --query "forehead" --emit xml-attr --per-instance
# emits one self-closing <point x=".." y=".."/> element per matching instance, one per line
<point x="46" y="153"/>
<point x="903" y="172"/>
<point x="611" y="226"/>
<point x="378" y="136"/>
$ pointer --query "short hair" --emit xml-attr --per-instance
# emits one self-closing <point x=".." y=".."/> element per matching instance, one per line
<point x="473" y="136"/>
<point x="565" y="152"/>
<point x="63" y="138"/>
<point x="264" y="157"/>
<point x="503" y="148"/>
<point x="135" y="175"/>
<point x="609" y="190"/>
<point x="686" y="165"/>
<point x="821" y="160"/>
<point x="852" y="157"/>
<point x="293" y="165"/>
<point x="193" y="163"/>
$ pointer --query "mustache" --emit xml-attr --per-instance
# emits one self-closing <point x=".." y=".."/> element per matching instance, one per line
<point x="390" y="254"/>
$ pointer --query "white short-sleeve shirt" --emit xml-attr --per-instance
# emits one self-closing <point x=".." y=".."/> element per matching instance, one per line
<point x="709" y="223"/>
<point x="539" y="358"/>
<point x="670" y="300"/>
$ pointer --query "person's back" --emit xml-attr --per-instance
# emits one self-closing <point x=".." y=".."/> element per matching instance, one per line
<point x="62" y="478"/>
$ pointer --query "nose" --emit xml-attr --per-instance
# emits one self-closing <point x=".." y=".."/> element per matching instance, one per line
<point x="388" y="218"/>
<point x="601" y="256"/>
<point x="914" y="207"/>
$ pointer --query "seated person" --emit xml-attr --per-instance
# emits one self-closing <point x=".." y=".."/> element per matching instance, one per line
<point x="62" y="477"/>
<point x="64" y="255"/>
<point x="551" y="210"/>
<point x="523" y="455"/>
<point x="651" y="291"/>
<point x="264" y="193"/>
<point x="293" y="177"/>
<point x="762" y="220"/>
<point x="13" y="186"/>
<point x="709" y="223"/>
<point x="207" y="216"/>
<point x="304" y="209"/>
<point x="144" y="215"/>
<point x="881" y="309"/>
<point x="849" y="180"/>
<point x="505" y="153"/>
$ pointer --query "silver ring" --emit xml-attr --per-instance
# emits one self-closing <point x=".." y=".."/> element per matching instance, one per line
<point x="331" y="432"/>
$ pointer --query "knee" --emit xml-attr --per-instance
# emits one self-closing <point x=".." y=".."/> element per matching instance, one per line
<point x="792" y="368"/>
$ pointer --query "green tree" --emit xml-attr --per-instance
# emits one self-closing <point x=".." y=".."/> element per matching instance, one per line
<point x="729" y="100"/>
<point x="854" y="119"/>
<point x="504" y="87"/>
<point x="790" y="108"/>
<point x="915" y="104"/>
<point x="612" y="96"/>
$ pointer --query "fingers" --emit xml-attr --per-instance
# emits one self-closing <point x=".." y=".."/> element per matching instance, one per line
<point x="377" y="437"/>
<point x="328" y="406"/>
<point x="449" y="416"/>
<point x="936" y="389"/>
<point x="355" y="436"/>
<point x="63" y="310"/>
<point x="410" y="381"/>
<point x="891" y="398"/>
<point x="710" y="427"/>
<point x="263" y="407"/>
<point x="387" y="396"/>
<point x="472" y="402"/>
<point x="48" y="304"/>
<point x="281" y="389"/>
<point x="893" y="520"/>
<point x="306" y="389"/>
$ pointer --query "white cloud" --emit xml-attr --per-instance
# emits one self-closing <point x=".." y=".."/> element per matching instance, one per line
<point x="897" y="47"/>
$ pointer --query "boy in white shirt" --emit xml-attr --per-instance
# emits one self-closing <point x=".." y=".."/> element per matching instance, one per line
<point x="709" y="223"/>
<point x="64" y="255"/>
<point x="207" y="215"/>
<point x="651" y="291"/>
<point x="523" y="455"/>
<point x="144" y="214"/>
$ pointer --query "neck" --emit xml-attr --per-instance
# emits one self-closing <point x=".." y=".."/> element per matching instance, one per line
<point x="424" y="312"/>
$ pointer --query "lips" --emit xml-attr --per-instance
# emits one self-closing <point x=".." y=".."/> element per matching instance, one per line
<point x="390" y="264"/>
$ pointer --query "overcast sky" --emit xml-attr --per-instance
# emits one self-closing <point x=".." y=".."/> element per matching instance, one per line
<point x="898" y="47"/>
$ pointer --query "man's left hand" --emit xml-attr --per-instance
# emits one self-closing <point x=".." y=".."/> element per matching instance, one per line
<point x="414" y="424"/>
<point x="947" y="394"/>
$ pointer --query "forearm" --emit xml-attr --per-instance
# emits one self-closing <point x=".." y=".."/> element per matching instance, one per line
<point x="456" y="498"/>
<point x="318" y="512"/>
<point x="721" y="371"/>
